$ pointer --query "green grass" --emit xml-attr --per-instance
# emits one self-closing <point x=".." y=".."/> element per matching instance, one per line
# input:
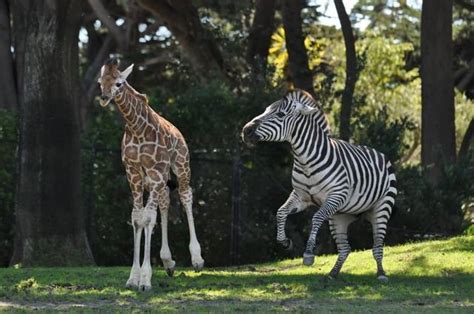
<point x="433" y="276"/>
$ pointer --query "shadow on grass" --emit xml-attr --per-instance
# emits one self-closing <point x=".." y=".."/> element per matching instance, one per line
<point x="107" y="285"/>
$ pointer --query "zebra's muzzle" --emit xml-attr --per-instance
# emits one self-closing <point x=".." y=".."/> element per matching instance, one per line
<point x="249" y="134"/>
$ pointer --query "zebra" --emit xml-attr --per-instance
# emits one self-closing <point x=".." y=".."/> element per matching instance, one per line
<point x="344" y="180"/>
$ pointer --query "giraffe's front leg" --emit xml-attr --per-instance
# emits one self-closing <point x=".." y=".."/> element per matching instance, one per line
<point x="292" y="205"/>
<point x="134" y="279"/>
<point x="165" y="253"/>
<point x="149" y="217"/>
<point x="149" y="221"/>
<point x="135" y="179"/>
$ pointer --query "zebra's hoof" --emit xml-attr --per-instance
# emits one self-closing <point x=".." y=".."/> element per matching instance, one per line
<point x="308" y="259"/>
<point x="287" y="244"/>
<point x="382" y="278"/>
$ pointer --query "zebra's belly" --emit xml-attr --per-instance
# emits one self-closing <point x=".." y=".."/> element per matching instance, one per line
<point x="356" y="202"/>
<point x="311" y="195"/>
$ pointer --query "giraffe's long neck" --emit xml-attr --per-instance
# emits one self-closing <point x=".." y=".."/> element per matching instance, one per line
<point x="134" y="108"/>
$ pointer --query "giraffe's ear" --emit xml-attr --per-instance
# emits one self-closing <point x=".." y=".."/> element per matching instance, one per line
<point x="126" y="73"/>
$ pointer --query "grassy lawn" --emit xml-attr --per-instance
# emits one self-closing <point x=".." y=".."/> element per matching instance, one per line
<point x="433" y="276"/>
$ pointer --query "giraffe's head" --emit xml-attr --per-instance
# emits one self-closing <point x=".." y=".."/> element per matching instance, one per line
<point x="111" y="80"/>
<point x="276" y="123"/>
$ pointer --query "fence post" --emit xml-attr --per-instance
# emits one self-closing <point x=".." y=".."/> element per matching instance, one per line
<point x="236" y="202"/>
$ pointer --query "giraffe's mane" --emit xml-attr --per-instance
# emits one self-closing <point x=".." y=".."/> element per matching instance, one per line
<point x="142" y="97"/>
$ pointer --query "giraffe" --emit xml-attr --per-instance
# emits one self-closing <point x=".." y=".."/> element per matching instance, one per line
<point x="151" y="147"/>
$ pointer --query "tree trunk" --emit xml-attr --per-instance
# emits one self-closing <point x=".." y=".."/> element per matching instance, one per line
<point x="198" y="45"/>
<point x="260" y="36"/>
<point x="351" y="72"/>
<point x="297" y="57"/>
<point x="437" y="134"/>
<point x="8" y="97"/>
<point x="50" y="227"/>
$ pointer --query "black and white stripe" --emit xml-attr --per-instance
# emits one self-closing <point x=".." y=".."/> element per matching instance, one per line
<point x="345" y="180"/>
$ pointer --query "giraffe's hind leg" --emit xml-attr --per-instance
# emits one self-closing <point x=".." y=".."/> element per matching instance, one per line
<point x="379" y="217"/>
<point x="183" y="173"/>
<point x="338" y="225"/>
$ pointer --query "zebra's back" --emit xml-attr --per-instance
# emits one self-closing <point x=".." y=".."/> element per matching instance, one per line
<point x="370" y="176"/>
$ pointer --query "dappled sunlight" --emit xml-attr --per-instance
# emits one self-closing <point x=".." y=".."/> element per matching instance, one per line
<point x="420" y="273"/>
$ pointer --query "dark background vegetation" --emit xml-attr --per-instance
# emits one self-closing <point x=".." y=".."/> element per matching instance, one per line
<point x="398" y="76"/>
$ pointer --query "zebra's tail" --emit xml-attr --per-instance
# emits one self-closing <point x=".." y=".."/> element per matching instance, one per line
<point x="392" y="189"/>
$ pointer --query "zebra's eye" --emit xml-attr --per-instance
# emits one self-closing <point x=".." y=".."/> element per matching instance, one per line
<point x="118" y="84"/>
<point x="280" y="114"/>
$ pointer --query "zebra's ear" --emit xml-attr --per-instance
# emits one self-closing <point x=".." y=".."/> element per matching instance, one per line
<point x="305" y="109"/>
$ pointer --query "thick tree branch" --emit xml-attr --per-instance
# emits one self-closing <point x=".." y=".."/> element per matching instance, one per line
<point x="198" y="45"/>
<point x="465" y="77"/>
<point x="465" y="4"/>
<point x="466" y="141"/>
<point x="297" y="57"/>
<point x="260" y="35"/>
<point x="104" y="16"/>
<point x="351" y="71"/>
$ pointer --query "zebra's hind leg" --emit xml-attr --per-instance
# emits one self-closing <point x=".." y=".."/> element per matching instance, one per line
<point x="379" y="217"/>
<point x="338" y="225"/>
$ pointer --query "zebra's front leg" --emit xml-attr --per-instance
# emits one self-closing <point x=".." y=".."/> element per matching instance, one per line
<point x="329" y="207"/>
<point x="292" y="205"/>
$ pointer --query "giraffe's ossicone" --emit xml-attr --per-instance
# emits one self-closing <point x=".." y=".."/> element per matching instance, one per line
<point x="151" y="148"/>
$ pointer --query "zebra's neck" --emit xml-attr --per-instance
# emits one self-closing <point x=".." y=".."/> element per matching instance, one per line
<point x="309" y="142"/>
<point x="134" y="108"/>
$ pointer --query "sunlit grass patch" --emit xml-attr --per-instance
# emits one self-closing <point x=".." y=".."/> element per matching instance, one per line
<point x="425" y="276"/>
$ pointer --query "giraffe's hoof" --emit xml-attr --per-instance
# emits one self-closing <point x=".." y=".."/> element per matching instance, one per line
<point x="170" y="271"/>
<point x="308" y="259"/>
<point x="382" y="278"/>
<point x="287" y="244"/>
<point x="198" y="266"/>
<point x="144" y="288"/>
<point x="131" y="284"/>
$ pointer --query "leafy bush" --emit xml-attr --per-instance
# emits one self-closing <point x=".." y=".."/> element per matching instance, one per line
<point x="423" y="209"/>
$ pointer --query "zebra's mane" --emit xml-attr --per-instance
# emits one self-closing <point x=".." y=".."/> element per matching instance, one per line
<point x="305" y="98"/>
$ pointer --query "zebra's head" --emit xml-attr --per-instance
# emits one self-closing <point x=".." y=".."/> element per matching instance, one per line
<point x="111" y="80"/>
<point x="276" y="123"/>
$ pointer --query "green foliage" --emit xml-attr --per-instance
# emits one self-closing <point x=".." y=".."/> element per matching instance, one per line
<point x="377" y="130"/>
<point x="435" y="276"/>
<point x="8" y="157"/>
<point x="423" y="209"/>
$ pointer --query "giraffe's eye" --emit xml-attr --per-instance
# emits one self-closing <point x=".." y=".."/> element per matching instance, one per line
<point x="280" y="114"/>
<point x="118" y="84"/>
